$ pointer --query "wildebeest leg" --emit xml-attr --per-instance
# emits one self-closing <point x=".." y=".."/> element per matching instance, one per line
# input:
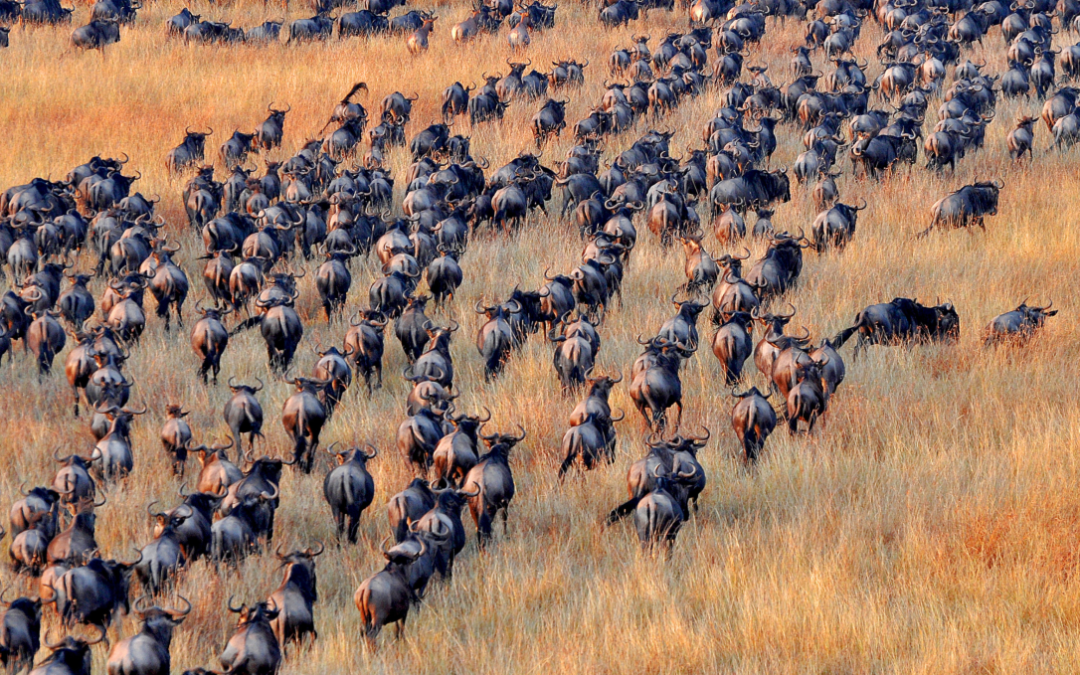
<point x="567" y="463"/>
<point x="354" y="527"/>
<point x="505" y="515"/>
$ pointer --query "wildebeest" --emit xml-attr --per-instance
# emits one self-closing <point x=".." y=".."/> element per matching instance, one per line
<point x="349" y="489"/>
<point x="656" y="387"/>
<point x="318" y="27"/>
<point x="189" y="153"/>
<point x="967" y="206"/>
<point x="836" y="226"/>
<point x="295" y="598"/>
<point x="96" y="34"/>
<point x="70" y="656"/>
<point x="253" y="649"/>
<point x="408" y="505"/>
<point x="303" y="416"/>
<point x="458" y="451"/>
<point x="418" y="41"/>
<point x="20" y="632"/>
<point x="1018" y="325"/>
<point x="165" y="555"/>
<point x="494" y="481"/>
<point x="495" y="339"/>
<point x="364" y="346"/>
<point x="418" y="436"/>
<point x="209" y="338"/>
<point x="751" y="190"/>
<point x="658" y="515"/>
<point x="753" y="419"/>
<point x="902" y="321"/>
<point x="807" y="400"/>
<point x="1021" y="139"/>
<point x="95" y="593"/>
<point x="147" y="652"/>
<point x="732" y="344"/>
<point x="385" y="597"/>
<point x="268" y="134"/>
<point x="243" y="413"/>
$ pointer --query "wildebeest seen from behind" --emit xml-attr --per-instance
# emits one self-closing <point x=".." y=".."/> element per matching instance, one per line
<point x="95" y="593"/>
<point x="409" y="505"/>
<point x="1021" y="139"/>
<point x="253" y="649"/>
<point x="269" y="133"/>
<point x="753" y="419"/>
<point x="243" y="413"/>
<point x="20" y="632"/>
<point x="70" y="656"/>
<point x="967" y="206"/>
<point x="295" y="598"/>
<point x="495" y="482"/>
<point x="147" y="652"/>
<point x="303" y="416"/>
<point x="176" y="437"/>
<point x="807" y="400"/>
<point x="1018" y="325"/>
<point x="385" y="597"/>
<point x="364" y="346"/>
<point x="349" y="488"/>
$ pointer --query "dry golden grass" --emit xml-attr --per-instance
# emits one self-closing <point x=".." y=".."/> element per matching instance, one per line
<point x="929" y="526"/>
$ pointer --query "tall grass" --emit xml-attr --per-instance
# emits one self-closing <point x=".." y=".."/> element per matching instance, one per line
<point x="929" y="525"/>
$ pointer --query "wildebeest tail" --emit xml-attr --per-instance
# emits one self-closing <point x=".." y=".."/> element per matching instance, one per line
<point x="246" y="324"/>
<point x="622" y="510"/>
<point x="653" y="518"/>
<point x="843" y="336"/>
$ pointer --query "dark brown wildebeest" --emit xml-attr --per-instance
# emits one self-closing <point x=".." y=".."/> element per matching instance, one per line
<point x="147" y="652"/>
<point x="349" y="488"/>
<point x="807" y="400"/>
<point x="385" y="597"/>
<point x="164" y="556"/>
<point x="295" y="598"/>
<point x="254" y="649"/>
<point x="458" y="452"/>
<point x="95" y="593"/>
<point x="364" y="345"/>
<point x="243" y="414"/>
<point x="732" y="344"/>
<point x="209" y="338"/>
<point x="1018" y="325"/>
<point x="967" y="206"/>
<point x="495" y="482"/>
<point x="70" y="656"/>
<point x="20" y="632"/>
<point x="657" y="386"/>
<point x="176" y="437"/>
<point x="753" y="419"/>
<point x="408" y="505"/>
<point x="902" y="321"/>
<point x="658" y="515"/>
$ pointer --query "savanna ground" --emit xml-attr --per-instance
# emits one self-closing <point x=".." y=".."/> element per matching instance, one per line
<point x="930" y="524"/>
